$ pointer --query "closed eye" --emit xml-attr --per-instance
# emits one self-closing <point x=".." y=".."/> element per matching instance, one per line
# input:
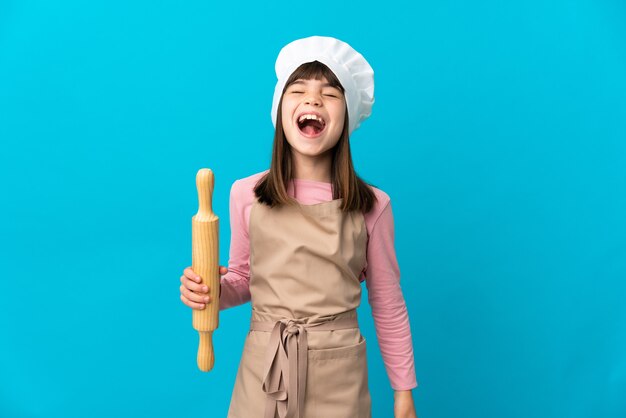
<point x="300" y="92"/>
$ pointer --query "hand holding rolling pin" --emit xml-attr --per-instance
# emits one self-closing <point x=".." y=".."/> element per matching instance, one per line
<point x="192" y="292"/>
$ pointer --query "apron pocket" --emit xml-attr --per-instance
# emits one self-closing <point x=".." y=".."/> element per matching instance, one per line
<point x="248" y="398"/>
<point x="337" y="384"/>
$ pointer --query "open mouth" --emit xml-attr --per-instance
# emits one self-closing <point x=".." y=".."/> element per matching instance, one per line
<point x="311" y="127"/>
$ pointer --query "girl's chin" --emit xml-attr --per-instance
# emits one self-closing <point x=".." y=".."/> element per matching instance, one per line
<point x="307" y="153"/>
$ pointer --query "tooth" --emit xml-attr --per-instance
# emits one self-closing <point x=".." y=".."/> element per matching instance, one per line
<point x="311" y="116"/>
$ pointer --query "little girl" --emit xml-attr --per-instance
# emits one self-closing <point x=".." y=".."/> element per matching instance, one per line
<point x="305" y="234"/>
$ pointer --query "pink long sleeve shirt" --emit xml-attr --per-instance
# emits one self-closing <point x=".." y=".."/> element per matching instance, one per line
<point x="381" y="274"/>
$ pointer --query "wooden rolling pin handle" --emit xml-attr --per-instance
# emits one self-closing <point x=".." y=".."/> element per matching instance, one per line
<point x="204" y="183"/>
<point x="206" y="356"/>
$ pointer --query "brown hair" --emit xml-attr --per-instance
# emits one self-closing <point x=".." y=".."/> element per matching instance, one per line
<point x="271" y="189"/>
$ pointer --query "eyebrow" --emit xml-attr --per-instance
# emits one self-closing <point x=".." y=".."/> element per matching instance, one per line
<point x="302" y="82"/>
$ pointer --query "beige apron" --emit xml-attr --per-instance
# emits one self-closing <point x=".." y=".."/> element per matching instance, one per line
<point x="304" y="356"/>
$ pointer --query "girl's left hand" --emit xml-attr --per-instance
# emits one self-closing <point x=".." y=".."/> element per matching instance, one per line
<point x="403" y="406"/>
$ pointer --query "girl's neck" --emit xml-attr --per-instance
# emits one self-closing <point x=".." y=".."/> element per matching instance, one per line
<point x="315" y="169"/>
<point x="313" y="181"/>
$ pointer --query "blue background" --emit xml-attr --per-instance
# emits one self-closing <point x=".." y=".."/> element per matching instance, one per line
<point x="499" y="131"/>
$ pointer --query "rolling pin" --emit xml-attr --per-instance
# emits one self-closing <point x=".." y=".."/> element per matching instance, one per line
<point x="205" y="263"/>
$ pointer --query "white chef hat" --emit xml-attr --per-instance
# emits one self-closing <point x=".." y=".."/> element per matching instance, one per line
<point x="352" y="70"/>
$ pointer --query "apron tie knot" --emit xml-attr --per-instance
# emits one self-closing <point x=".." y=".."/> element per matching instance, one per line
<point x="293" y="327"/>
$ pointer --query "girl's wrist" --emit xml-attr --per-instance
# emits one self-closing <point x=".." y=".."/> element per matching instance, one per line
<point x="403" y="393"/>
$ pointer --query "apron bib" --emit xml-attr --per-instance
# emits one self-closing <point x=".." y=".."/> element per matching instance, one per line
<point x="304" y="356"/>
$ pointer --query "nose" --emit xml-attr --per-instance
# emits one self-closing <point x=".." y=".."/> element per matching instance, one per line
<point x="313" y="99"/>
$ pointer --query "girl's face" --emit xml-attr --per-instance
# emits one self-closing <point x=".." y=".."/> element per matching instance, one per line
<point x="308" y="135"/>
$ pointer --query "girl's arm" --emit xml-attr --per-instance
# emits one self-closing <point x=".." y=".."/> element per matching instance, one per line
<point x="387" y="302"/>
<point x="235" y="284"/>
<point x="389" y="311"/>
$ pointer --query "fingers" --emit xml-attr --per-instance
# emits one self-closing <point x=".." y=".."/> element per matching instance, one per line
<point x="189" y="273"/>
<point x="194" y="296"/>
<point x="193" y="285"/>
<point x="191" y="304"/>
<point x="193" y="292"/>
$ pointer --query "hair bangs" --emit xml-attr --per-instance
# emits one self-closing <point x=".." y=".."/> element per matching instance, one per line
<point x="314" y="70"/>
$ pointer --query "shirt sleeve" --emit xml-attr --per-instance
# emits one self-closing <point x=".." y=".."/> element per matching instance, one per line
<point x="388" y="305"/>
<point x="235" y="284"/>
